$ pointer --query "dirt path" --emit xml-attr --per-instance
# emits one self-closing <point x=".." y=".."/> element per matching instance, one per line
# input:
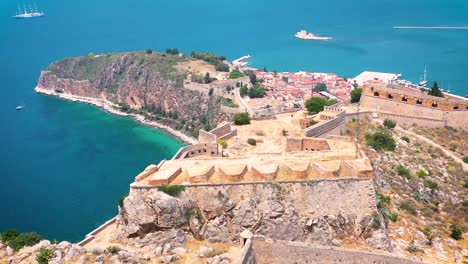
<point x="430" y="142"/>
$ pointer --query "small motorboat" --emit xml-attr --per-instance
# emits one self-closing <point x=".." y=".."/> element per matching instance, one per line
<point x="19" y="107"/>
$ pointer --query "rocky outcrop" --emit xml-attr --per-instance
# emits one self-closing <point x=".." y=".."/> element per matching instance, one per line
<point x="307" y="212"/>
<point x="150" y="83"/>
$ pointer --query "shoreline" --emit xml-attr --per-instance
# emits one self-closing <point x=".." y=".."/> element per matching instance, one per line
<point x="109" y="108"/>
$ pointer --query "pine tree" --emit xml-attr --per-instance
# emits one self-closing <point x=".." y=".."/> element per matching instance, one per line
<point x="435" y="90"/>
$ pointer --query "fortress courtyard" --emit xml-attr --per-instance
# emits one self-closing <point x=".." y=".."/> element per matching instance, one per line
<point x="277" y="156"/>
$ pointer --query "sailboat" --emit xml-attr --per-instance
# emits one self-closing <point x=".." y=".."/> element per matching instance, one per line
<point x="423" y="82"/>
<point x="25" y="14"/>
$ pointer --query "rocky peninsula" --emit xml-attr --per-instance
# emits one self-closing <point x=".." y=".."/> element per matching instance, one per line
<point x="149" y="86"/>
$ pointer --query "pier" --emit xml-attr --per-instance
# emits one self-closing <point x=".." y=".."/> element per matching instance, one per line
<point x="240" y="62"/>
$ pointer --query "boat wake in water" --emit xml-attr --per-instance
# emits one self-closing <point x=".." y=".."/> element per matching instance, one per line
<point x="417" y="27"/>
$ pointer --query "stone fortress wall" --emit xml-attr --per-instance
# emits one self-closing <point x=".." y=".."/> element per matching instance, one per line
<point x="274" y="251"/>
<point x="207" y="142"/>
<point x="333" y="117"/>
<point x="306" y="144"/>
<point x="409" y="107"/>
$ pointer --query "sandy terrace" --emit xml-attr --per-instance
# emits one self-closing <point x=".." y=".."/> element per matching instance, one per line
<point x="268" y="133"/>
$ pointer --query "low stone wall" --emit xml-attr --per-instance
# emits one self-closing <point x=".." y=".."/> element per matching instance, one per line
<point x="206" y="137"/>
<point x="202" y="149"/>
<point x="323" y="127"/>
<point x="247" y="254"/>
<point x="305" y="144"/>
<point x="273" y="252"/>
<point x="90" y="236"/>
<point x="221" y="130"/>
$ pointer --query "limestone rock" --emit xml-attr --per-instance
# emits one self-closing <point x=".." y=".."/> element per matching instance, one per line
<point x="169" y="259"/>
<point x="179" y="251"/>
<point x="9" y="251"/>
<point x="83" y="259"/>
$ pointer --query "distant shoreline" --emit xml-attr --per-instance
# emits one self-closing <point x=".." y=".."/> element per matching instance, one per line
<point x="111" y="108"/>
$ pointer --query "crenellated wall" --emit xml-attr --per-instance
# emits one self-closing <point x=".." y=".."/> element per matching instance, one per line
<point x="413" y="107"/>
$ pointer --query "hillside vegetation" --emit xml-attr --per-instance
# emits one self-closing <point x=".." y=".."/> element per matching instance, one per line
<point x="149" y="83"/>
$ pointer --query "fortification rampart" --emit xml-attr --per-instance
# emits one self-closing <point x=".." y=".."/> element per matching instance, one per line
<point x="201" y="149"/>
<point x="273" y="252"/>
<point x="323" y="127"/>
<point x="410" y="107"/>
<point x="223" y="131"/>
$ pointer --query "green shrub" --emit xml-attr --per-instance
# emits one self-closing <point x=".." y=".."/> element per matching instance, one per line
<point x="277" y="186"/>
<point x="382" y="200"/>
<point x="465" y="159"/>
<point x="403" y="172"/>
<point x="223" y="143"/>
<point x="405" y="138"/>
<point x="121" y="199"/>
<point x="44" y="256"/>
<point x="234" y="74"/>
<point x="356" y="95"/>
<point x="456" y="231"/>
<point x="393" y="216"/>
<point x="228" y="102"/>
<point x="179" y="223"/>
<point x="172" y="190"/>
<point x="431" y="185"/>
<point x="9" y="235"/>
<point x="388" y="123"/>
<point x="427" y="231"/>
<point x="148" y="51"/>
<point x="24" y="240"/>
<point x="257" y="91"/>
<point x="172" y="51"/>
<point x="376" y="223"/>
<point x="91" y="55"/>
<point x="421" y="174"/>
<point x="316" y="104"/>
<point x="409" y="208"/>
<point x="412" y="248"/>
<point x="221" y="66"/>
<point x="381" y="140"/>
<point x="241" y="119"/>
<point x="113" y="250"/>
<point x="252" y="141"/>
<point x="284" y="132"/>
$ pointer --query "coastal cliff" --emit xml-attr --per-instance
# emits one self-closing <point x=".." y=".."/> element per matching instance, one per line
<point x="149" y="84"/>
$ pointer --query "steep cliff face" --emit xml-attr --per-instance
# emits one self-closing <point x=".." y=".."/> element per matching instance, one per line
<point x="325" y="213"/>
<point x="147" y="83"/>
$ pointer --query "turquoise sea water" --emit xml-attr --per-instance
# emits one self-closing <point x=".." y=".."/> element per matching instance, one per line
<point x="63" y="165"/>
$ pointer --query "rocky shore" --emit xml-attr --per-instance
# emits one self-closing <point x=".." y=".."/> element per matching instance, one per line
<point x="114" y="109"/>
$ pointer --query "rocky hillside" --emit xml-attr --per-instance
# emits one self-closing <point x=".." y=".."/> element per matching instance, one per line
<point x="422" y="192"/>
<point x="151" y="84"/>
<point x="335" y="213"/>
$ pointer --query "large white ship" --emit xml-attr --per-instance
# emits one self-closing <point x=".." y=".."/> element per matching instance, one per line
<point x="303" y="34"/>
<point x="24" y="13"/>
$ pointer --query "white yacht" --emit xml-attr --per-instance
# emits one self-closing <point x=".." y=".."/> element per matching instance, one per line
<point x="24" y="13"/>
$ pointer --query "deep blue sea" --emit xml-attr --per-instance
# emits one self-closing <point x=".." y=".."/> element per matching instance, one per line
<point x="63" y="165"/>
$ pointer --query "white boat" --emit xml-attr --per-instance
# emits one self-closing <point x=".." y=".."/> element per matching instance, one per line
<point x="423" y="82"/>
<point x="303" y="34"/>
<point x="28" y="14"/>
<point x="19" y="107"/>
